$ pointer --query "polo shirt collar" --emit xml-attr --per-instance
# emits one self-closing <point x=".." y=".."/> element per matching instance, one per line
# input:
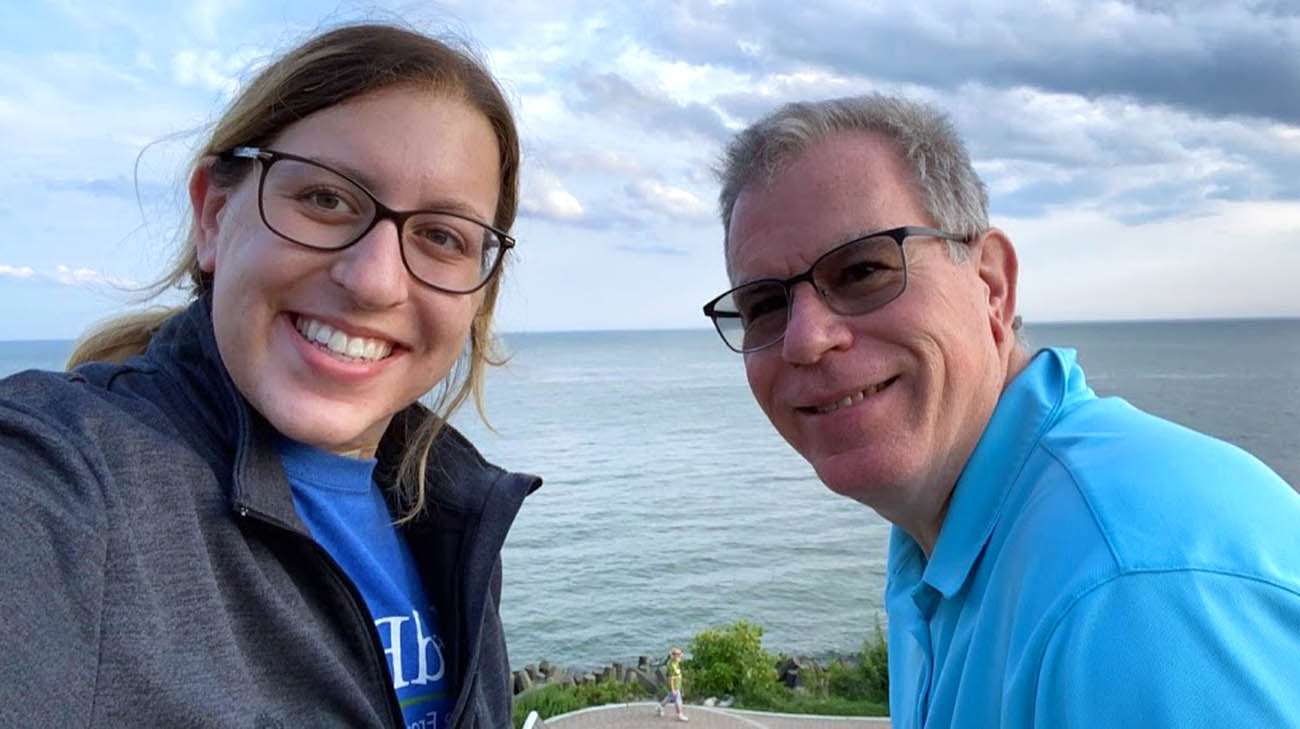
<point x="1026" y="409"/>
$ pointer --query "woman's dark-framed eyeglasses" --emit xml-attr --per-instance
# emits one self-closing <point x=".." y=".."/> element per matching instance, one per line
<point x="852" y="278"/>
<point x="308" y="203"/>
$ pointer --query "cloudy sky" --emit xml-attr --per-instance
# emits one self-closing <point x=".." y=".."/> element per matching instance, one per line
<point x="1144" y="155"/>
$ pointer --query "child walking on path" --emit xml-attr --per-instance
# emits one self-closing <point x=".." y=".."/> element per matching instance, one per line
<point x="674" y="685"/>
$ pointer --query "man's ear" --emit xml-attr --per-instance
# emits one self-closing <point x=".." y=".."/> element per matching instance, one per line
<point x="206" y="202"/>
<point x="999" y="269"/>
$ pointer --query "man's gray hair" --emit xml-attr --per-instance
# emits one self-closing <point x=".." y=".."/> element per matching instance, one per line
<point x="945" y="184"/>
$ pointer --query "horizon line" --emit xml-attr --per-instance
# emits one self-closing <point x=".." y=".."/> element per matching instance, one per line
<point x="706" y="328"/>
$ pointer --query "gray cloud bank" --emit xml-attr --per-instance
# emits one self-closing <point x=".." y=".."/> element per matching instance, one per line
<point x="1212" y="58"/>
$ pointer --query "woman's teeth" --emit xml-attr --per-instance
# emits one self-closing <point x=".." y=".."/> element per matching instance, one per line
<point x="340" y="343"/>
<point x="852" y="399"/>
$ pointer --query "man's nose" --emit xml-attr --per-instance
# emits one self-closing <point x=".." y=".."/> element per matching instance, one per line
<point x="812" y="328"/>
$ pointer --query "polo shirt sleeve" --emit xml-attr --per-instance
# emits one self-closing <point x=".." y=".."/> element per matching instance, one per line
<point x="52" y="552"/>
<point x="1175" y="648"/>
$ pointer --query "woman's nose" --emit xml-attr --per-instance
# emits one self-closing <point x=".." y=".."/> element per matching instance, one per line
<point x="372" y="270"/>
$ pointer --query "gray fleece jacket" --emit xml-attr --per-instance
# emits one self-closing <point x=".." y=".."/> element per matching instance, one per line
<point x="154" y="571"/>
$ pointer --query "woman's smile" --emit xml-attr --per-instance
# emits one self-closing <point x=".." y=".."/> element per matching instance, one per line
<point x="337" y="341"/>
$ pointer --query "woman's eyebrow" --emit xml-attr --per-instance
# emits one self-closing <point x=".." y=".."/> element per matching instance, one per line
<point x="440" y="204"/>
<point x="354" y="173"/>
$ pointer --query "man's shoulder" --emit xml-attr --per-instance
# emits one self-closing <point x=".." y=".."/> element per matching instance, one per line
<point x="1164" y="496"/>
<point x="1111" y="448"/>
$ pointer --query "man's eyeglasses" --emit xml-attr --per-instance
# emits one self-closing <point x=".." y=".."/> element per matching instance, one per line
<point x="312" y="205"/>
<point x="853" y="278"/>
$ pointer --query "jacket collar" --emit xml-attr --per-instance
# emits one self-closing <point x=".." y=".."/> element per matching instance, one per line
<point x="1033" y="401"/>
<point x="238" y="441"/>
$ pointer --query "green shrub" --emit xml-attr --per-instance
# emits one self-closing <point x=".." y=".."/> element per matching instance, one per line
<point x="867" y="678"/>
<point x="846" y="681"/>
<point x="873" y="660"/>
<point x="730" y="661"/>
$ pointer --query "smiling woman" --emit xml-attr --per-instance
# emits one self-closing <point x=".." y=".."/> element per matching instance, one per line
<point x="237" y="513"/>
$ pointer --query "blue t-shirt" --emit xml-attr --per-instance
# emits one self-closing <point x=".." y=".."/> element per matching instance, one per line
<point x="1098" y="567"/>
<point x="342" y="506"/>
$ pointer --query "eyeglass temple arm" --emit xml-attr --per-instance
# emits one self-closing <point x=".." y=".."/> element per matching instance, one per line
<point x="248" y="153"/>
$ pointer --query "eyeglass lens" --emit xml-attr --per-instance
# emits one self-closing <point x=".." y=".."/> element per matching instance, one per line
<point x="853" y="279"/>
<point x="317" y="207"/>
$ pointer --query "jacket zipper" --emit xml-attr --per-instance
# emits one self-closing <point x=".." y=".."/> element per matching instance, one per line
<point x="377" y="658"/>
<point x="471" y="670"/>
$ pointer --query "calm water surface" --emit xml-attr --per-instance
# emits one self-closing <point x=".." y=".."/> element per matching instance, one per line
<point x="671" y="505"/>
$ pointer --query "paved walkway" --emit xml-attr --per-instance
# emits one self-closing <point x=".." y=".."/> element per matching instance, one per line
<point x="642" y="716"/>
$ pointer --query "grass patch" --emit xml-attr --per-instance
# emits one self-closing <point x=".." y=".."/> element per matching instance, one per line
<point x="555" y="699"/>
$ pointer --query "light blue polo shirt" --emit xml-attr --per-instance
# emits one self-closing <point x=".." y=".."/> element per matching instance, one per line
<point x="1099" y="567"/>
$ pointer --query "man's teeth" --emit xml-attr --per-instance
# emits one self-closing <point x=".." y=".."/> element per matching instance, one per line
<point x="339" y="343"/>
<point x="850" y="399"/>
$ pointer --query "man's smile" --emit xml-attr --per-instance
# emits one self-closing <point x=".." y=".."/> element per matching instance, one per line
<point x="847" y="400"/>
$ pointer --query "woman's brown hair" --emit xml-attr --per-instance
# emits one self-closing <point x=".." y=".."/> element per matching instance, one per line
<point x="329" y="69"/>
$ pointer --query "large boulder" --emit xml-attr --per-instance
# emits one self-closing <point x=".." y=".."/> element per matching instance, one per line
<point x="797" y="671"/>
<point x="645" y="679"/>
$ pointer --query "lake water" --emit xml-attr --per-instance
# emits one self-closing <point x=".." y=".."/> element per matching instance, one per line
<point x="671" y="505"/>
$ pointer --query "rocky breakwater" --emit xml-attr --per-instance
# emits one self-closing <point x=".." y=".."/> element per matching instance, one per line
<point x="651" y="678"/>
<point x="797" y="673"/>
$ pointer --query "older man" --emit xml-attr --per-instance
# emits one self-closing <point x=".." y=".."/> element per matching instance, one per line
<point x="1057" y="559"/>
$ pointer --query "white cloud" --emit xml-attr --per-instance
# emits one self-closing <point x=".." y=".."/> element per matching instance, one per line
<point x="17" y="271"/>
<point x="1236" y="259"/>
<point x="545" y="196"/>
<point x="601" y="161"/>
<point x="70" y="276"/>
<point x="207" y="15"/>
<point x="679" y="80"/>
<point x="214" y="70"/>
<point x="671" y="200"/>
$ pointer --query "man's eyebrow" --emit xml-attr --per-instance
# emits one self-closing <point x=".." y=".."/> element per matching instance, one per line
<point x="860" y="234"/>
<point x="836" y="242"/>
